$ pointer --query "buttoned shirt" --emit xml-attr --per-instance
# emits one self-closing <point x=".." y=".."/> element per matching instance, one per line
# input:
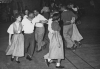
<point x="28" y="26"/>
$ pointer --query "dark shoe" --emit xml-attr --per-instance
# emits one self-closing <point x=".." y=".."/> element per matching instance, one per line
<point x="80" y="45"/>
<point x="39" y="50"/>
<point x="76" y="43"/>
<point x="18" y="61"/>
<point x="12" y="59"/>
<point x="43" y="47"/>
<point x="48" y="63"/>
<point x="29" y="58"/>
<point x="74" y="47"/>
<point x="59" y="66"/>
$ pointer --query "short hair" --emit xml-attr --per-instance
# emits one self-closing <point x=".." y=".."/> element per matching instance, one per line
<point x="17" y="15"/>
<point x="55" y="16"/>
<point x="36" y="10"/>
<point x="30" y="13"/>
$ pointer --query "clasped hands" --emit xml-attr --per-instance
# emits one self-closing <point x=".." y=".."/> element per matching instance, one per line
<point x="43" y="21"/>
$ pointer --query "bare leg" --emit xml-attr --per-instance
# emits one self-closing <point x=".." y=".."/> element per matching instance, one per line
<point x="17" y="60"/>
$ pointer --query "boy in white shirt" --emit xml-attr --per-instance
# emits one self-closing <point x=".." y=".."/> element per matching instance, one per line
<point x="28" y="28"/>
<point x="40" y="30"/>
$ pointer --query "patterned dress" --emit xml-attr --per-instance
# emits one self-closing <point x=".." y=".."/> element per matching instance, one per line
<point x="17" y="42"/>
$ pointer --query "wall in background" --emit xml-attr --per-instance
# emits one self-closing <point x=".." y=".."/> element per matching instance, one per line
<point x="29" y="4"/>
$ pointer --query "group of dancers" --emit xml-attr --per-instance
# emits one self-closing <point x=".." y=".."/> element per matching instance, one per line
<point x="35" y="26"/>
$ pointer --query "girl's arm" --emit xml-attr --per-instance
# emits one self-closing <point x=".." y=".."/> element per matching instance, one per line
<point x="49" y="26"/>
<point x="10" y="39"/>
<point x="73" y="20"/>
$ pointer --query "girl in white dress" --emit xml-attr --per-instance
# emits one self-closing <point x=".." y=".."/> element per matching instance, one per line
<point x="56" y="44"/>
<point x="16" y="42"/>
<point x="76" y="36"/>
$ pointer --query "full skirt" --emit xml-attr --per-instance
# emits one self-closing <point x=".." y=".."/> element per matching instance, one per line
<point x="76" y="35"/>
<point x="17" y="46"/>
<point x="55" y="47"/>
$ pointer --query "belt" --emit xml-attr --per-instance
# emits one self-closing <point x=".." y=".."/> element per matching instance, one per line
<point x="28" y="33"/>
<point x="17" y="33"/>
<point x="66" y="24"/>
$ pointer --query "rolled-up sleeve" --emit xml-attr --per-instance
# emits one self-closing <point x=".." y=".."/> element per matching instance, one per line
<point x="41" y="17"/>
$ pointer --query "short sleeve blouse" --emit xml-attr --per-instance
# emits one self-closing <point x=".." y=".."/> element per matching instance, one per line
<point x="10" y="29"/>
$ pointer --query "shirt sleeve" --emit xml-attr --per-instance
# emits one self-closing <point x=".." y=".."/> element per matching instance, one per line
<point x="42" y="17"/>
<point x="10" y="29"/>
<point x="35" y="20"/>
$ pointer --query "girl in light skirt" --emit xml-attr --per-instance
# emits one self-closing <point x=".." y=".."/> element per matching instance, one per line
<point x="76" y="36"/>
<point x="16" y="42"/>
<point x="56" y="44"/>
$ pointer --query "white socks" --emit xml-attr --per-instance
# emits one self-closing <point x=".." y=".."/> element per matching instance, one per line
<point x="12" y="56"/>
<point x="58" y="64"/>
<point x="49" y="60"/>
<point x="16" y="58"/>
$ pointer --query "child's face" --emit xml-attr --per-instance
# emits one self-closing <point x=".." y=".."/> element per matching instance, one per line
<point x="19" y="18"/>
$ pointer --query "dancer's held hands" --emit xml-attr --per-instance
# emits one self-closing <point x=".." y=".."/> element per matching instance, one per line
<point x="43" y="21"/>
<point x="52" y="32"/>
<point x="73" y="20"/>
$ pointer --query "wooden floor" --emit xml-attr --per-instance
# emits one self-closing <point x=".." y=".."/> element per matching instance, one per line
<point x="85" y="57"/>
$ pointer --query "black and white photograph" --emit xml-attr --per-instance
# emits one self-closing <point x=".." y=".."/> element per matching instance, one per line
<point x="49" y="34"/>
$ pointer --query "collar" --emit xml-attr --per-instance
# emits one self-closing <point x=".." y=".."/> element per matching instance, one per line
<point x="65" y="10"/>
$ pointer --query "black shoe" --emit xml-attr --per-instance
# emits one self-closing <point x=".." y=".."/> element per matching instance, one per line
<point x="39" y="50"/>
<point x="80" y="45"/>
<point x="43" y="47"/>
<point x="29" y="58"/>
<point x="12" y="59"/>
<point x="18" y="61"/>
<point x="48" y="63"/>
<point x="74" y="47"/>
<point x="59" y="66"/>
